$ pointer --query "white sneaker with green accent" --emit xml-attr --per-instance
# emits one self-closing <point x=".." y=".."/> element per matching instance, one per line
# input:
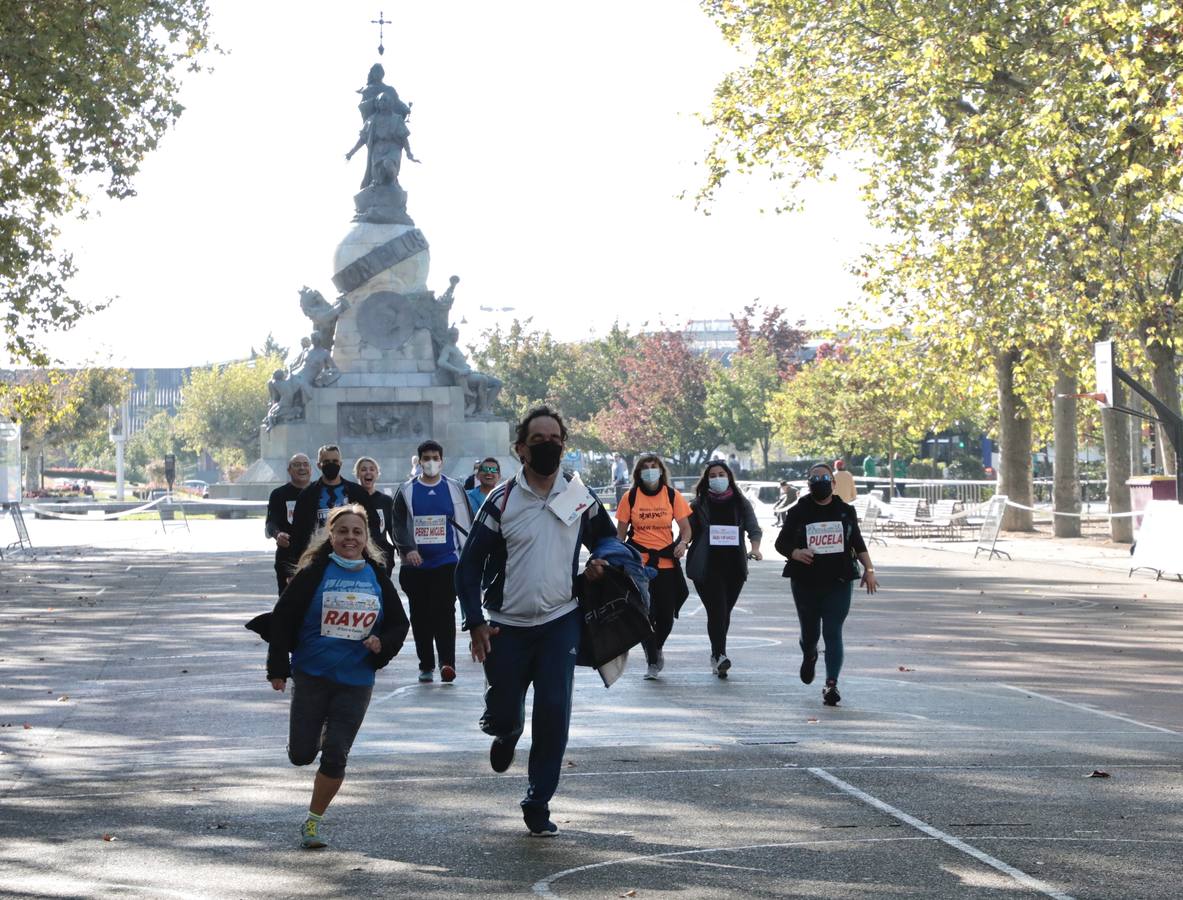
<point x="310" y="838"/>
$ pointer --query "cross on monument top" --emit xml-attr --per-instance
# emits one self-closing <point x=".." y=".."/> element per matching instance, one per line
<point x="380" y="22"/>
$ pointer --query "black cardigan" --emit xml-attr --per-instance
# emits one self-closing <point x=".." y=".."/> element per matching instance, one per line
<point x="283" y="630"/>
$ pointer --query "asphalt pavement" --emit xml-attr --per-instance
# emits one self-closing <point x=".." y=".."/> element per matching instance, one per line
<point x="142" y="752"/>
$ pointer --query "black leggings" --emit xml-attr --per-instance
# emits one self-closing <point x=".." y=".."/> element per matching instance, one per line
<point x="664" y="593"/>
<point x="325" y="716"/>
<point x="719" y="592"/>
<point x="432" y="596"/>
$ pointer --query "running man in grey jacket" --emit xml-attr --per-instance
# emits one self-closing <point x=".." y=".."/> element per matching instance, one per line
<point x="516" y="582"/>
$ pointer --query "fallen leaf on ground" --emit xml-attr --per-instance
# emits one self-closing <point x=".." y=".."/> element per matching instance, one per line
<point x="28" y="727"/>
<point x="629" y="894"/>
<point x="906" y="669"/>
<point x="811" y="721"/>
<point x="63" y="698"/>
<point x="108" y="837"/>
<point x="570" y="765"/>
<point x="1097" y="773"/>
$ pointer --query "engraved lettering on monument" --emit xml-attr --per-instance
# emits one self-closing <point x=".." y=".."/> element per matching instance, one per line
<point x="380" y="259"/>
<point x="384" y="421"/>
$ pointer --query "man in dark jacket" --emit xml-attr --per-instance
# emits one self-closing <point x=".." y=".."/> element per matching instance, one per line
<point x="281" y="510"/>
<point x="327" y="492"/>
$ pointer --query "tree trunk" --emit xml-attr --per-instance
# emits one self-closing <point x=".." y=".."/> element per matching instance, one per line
<point x="1064" y="492"/>
<point x="1014" y="456"/>
<point x="1117" y="466"/>
<point x="1165" y="380"/>
<point x="1137" y="467"/>
<point x="33" y="467"/>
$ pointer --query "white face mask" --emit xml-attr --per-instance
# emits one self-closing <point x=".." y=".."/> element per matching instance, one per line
<point x="651" y="476"/>
<point x="432" y="467"/>
<point x="718" y="484"/>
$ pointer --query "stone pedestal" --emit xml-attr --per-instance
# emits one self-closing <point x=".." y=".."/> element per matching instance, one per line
<point x="389" y="396"/>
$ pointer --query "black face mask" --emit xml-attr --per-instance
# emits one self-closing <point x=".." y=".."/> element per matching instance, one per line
<point x="820" y="490"/>
<point x="330" y="470"/>
<point x="544" y="457"/>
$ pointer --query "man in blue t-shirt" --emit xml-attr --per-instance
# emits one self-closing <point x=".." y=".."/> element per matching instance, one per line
<point x="427" y="511"/>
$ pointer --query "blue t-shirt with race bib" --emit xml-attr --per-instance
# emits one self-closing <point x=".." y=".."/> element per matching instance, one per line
<point x="346" y="609"/>
<point x="433" y="527"/>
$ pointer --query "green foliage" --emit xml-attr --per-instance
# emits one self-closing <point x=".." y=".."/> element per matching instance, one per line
<point x="57" y="407"/>
<point x="739" y="397"/>
<point x="527" y="361"/>
<point x="659" y="406"/>
<point x="271" y="347"/>
<point x="87" y="90"/>
<point x="221" y="408"/>
<point x="1025" y="159"/>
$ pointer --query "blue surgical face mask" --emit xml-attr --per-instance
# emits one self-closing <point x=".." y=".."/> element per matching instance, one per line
<point x="353" y="565"/>
<point x="651" y="476"/>
<point x="718" y="484"/>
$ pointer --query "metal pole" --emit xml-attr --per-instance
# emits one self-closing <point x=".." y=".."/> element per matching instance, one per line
<point x="119" y="470"/>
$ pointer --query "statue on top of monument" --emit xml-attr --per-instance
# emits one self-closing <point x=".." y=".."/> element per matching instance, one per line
<point x="323" y="314"/>
<point x="375" y="87"/>
<point x="386" y="137"/>
<point x="480" y="389"/>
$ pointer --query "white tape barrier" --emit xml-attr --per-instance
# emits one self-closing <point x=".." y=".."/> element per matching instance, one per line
<point x="1120" y="515"/>
<point x="107" y="517"/>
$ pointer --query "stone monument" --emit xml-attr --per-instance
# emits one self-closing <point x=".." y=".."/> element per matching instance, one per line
<point x="381" y="369"/>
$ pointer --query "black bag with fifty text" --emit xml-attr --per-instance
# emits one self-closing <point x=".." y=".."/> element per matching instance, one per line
<point x="614" y="617"/>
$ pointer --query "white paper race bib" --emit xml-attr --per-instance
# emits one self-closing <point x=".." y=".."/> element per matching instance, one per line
<point x="575" y="500"/>
<point x="291" y="505"/>
<point x="431" y="529"/>
<point x="381" y="520"/>
<point x="824" y="537"/>
<point x="724" y="535"/>
<point x="347" y="615"/>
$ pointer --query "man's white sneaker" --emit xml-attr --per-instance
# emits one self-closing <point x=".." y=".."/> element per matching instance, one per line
<point x="651" y="672"/>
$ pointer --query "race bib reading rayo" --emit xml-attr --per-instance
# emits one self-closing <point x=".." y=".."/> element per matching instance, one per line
<point x="431" y="529"/>
<point x="724" y="535"/>
<point x="347" y="615"/>
<point x="824" y="537"/>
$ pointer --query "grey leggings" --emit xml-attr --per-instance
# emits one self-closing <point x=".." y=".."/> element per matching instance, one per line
<point x="325" y="716"/>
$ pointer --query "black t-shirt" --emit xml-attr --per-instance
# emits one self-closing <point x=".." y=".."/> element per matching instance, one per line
<point x="383" y="504"/>
<point x="281" y="508"/>
<point x="831" y="531"/>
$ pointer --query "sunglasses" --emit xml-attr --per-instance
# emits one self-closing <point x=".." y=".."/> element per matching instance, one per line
<point x="489" y="470"/>
<point x="818" y="479"/>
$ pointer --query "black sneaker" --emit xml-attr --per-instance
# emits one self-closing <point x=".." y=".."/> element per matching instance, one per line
<point x="501" y="752"/>
<point x="830" y="695"/>
<point x="538" y="822"/>
<point x="808" y="664"/>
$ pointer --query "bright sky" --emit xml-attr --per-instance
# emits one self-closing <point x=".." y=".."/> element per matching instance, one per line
<point x="555" y="138"/>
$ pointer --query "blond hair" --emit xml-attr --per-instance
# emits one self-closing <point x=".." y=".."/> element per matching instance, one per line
<point x="364" y="459"/>
<point x="321" y="546"/>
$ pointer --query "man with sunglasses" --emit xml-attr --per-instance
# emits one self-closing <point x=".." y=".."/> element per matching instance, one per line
<point x="488" y="474"/>
<point x="821" y="540"/>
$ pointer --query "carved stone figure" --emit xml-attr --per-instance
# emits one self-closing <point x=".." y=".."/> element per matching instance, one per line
<point x="386" y="137"/>
<point x="480" y="389"/>
<point x="287" y="400"/>
<point x="318" y="368"/>
<point x="374" y="88"/>
<point x="323" y="314"/>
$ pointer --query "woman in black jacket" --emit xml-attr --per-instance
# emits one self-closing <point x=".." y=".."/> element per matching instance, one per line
<point x="366" y="472"/>
<point x="821" y="540"/>
<point x="717" y="560"/>
<point x="337" y="622"/>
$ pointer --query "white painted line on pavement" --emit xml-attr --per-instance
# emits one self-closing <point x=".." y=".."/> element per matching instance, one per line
<point x="1088" y="709"/>
<point x="543" y="887"/>
<point x="956" y="843"/>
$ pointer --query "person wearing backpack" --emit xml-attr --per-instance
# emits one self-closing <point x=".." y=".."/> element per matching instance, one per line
<point x="717" y="562"/>
<point x="645" y="518"/>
